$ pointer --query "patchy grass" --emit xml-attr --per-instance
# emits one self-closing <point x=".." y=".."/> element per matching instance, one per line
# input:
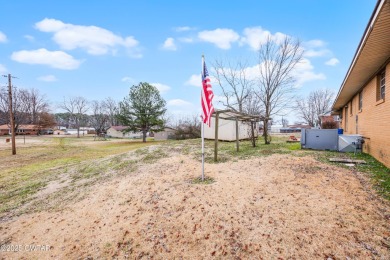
<point x="378" y="173"/>
<point x="206" y="180"/>
<point x="246" y="151"/>
<point x="23" y="175"/>
<point x="34" y="167"/>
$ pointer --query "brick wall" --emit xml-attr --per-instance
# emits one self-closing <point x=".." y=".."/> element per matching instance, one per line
<point x="373" y="120"/>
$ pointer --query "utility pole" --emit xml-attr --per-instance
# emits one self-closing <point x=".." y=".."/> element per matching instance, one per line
<point x="11" y="114"/>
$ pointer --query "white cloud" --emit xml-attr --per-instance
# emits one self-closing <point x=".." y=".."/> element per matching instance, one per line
<point x="3" y="69"/>
<point x="95" y="40"/>
<point x="222" y="38"/>
<point x="195" y="80"/>
<point x="256" y="36"/>
<point x="315" y="48"/>
<point x="178" y="103"/>
<point x="54" y="59"/>
<point x="316" y="53"/>
<point x="332" y="62"/>
<point x="314" y="44"/>
<point x="169" y="44"/>
<point x="29" y="37"/>
<point x="3" y="37"/>
<point x="161" y="87"/>
<point x="304" y="72"/>
<point x="183" y="29"/>
<point x="47" y="78"/>
<point x="128" y="79"/>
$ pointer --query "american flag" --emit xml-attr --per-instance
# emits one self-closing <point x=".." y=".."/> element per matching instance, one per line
<point x="206" y="96"/>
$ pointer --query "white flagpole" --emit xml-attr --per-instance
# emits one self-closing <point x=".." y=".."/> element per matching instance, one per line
<point x="202" y="128"/>
<point x="202" y="151"/>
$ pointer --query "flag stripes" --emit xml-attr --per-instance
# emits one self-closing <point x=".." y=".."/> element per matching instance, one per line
<point x="207" y="96"/>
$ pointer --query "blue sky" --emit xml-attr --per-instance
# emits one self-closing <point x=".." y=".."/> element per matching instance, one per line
<point x="98" y="49"/>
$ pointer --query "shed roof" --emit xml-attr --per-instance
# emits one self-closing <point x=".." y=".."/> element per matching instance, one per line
<point x="233" y="115"/>
<point x="372" y="53"/>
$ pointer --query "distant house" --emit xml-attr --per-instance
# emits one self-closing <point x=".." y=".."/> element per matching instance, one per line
<point x="275" y="128"/>
<point x="168" y="133"/>
<point x="59" y="132"/>
<point x="117" y="131"/>
<point x="361" y="102"/>
<point x="4" y="130"/>
<point x="294" y="128"/>
<point x="25" y="130"/>
<point x="74" y="132"/>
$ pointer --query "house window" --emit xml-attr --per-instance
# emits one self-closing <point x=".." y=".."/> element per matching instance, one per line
<point x="381" y="85"/>
<point x="360" y="100"/>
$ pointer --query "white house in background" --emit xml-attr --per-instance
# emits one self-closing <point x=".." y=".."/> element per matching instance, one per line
<point x="227" y="127"/>
<point x="116" y="131"/>
<point x="168" y="133"/>
<point x="275" y="128"/>
<point x="74" y="132"/>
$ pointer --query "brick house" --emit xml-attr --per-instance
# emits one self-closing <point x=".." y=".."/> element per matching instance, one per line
<point x="4" y="130"/>
<point x="361" y="101"/>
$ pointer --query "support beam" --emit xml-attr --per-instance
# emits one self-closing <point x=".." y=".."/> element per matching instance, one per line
<point x="11" y="115"/>
<point x="237" y="138"/>
<point x="216" y="137"/>
<point x="253" y="133"/>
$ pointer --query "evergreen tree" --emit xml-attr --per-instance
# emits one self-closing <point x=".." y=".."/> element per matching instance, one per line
<point x="142" y="110"/>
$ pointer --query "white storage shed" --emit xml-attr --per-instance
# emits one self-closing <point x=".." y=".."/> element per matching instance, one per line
<point x="227" y="126"/>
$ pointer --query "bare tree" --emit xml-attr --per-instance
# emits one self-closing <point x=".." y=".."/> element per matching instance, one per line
<point x="252" y="104"/>
<point x="37" y="105"/>
<point x="275" y="87"/>
<point x="46" y="120"/>
<point x="20" y="106"/>
<point x="319" y="102"/>
<point x="100" y="118"/>
<point x="76" y="107"/>
<point x="235" y="84"/>
<point x="188" y="127"/>
<point x="112" y="110"/>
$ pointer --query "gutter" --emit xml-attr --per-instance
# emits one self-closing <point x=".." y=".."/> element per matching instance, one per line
<point x="362" y="43"/>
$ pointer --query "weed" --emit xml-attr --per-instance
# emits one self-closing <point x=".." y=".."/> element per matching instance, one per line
<point x="154" y="155"/>
<point x="206" y="180"/>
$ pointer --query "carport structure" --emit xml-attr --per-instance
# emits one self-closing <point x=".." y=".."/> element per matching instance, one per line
<point x="234" y="116"/>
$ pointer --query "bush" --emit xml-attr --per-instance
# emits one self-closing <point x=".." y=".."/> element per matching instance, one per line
<point x="329" y="125"/>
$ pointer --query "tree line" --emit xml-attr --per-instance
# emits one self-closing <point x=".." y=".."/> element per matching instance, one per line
<point x="29" y="107"/>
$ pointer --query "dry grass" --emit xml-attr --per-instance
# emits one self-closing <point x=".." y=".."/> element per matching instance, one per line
<point x="275" y="205"/>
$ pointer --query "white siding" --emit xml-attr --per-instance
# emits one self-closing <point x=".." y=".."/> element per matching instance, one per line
<point x="227" y="130"/>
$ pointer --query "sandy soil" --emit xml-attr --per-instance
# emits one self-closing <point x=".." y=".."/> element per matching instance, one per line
<point x="276" y="207"/>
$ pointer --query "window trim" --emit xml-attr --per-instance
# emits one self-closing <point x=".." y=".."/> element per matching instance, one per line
<point x="381" y="85"/>
<point x="360" y="100"/>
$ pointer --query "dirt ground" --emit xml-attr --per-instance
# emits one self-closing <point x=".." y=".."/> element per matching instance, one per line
<point x="274" y="207"/>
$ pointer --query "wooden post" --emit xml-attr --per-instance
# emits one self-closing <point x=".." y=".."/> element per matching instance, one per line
<point x="237" y="139"/>
<point x="216" y="137"/>
<point x="253" y="134"/>
<point x="11" y="115"/>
